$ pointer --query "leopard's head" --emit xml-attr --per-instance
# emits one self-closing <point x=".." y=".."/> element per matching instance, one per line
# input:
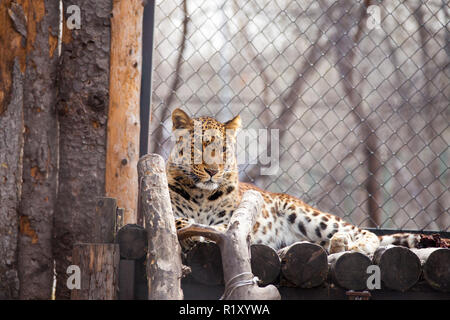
<point x="204" y="152"/>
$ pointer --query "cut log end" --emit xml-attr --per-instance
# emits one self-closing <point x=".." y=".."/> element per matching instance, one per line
<point x="304" y="264"/>
<point x="205" y="262"/>
<point x="265" y="263"/>
<point x="436" y="267"/>
<point x="400" y="267"/>
<point x="349" y="270"/>
<point x="132" y="240"/>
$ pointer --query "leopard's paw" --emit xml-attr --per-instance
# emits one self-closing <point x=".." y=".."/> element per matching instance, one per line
<point x="340" y="242"/>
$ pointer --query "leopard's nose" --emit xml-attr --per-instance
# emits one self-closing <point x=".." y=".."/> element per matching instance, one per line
<point x="211" y="172"/>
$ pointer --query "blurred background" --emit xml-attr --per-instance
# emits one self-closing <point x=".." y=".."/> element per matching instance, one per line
<point x="359" y="91"/>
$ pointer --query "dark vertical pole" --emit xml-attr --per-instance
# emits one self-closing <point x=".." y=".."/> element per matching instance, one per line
<point x="147" y="66"/>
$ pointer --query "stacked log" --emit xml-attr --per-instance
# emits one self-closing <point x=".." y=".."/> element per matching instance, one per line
<point x="349" y="269"/>
<point x="304" y="264"/>
<point x="435" y="266"/>
<point x="400" y="267"/>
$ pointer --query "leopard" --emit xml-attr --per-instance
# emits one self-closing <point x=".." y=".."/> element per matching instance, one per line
<point x="204" y="187"/>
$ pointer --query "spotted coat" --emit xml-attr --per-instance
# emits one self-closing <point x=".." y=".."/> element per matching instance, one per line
<point x="208" y="192"/>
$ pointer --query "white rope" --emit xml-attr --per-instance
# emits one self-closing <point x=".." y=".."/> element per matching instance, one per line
<point x="230" y="286"/>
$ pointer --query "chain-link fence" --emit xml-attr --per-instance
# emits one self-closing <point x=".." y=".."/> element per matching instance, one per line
<point x="359" y="91"/>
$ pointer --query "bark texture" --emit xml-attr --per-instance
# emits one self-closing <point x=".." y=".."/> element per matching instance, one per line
<point x="40" y="151"/>
<point x="99" y="265"/>
<point x="12" y="67"/>
<point x="164" y="253"/>
<point x="82" y="112"/>
<point x="11" y="126"/>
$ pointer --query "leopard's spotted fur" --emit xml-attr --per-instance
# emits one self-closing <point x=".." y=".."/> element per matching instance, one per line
<point x="207" y="192"/>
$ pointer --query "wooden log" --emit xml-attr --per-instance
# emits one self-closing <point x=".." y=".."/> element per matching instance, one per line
<point x="164" y="268"/>
<point x="304" y="264"/>
<point x="235" y="250"/>
<point x="205" y="262"/>
<point x="349" y="269"/>
<point x="265" y="262"/>
<point x="99" y="265"/>
<point x="400" y="267"/>
<point x="82" y="112"/>
<point x="38" y="22"/>
<point x="436" y="267"/>
<point x="105" y="220"/>
<point x="132" y="240"/>
<point x="126" y="279"/>
<point x="123" y="113"/>
<point x="11" y="128"/>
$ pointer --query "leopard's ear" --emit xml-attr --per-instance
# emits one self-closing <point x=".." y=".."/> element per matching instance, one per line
<point x="234" y="123"/>
<point x="180" y="120"/>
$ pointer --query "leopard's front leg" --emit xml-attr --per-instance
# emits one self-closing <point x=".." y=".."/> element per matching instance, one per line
<point x="189" y="243"/>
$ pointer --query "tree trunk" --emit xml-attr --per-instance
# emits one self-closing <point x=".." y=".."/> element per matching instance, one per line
<point x="40" y="151"/>
<point x="11" y="127"/>
<point x="121" y="181"/>
<point x="82" y="111"/>
<point x="29" y="37"/>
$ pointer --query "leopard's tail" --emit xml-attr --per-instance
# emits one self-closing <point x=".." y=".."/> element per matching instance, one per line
<point x="414" y="240"/>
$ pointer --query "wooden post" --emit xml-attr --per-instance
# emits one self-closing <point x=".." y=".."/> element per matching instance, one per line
<point x="82" y="111"/>
<point x="349" y="269"/>
<point x="99" y="265"/>
<point x="304" y="264"/>
<point x="400" y="267"/>
<point x="436" y="267"/>
<point x="205" y="262"/>
<point x="266" y="263"/>
<point x="11" y="128"/>
<point x="123" y="115"/>
<point x="164" y="253"/>
<point x="104" y="220"/>
<point x="235" y="250"/>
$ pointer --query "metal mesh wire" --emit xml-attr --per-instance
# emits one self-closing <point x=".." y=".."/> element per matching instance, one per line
<point x="363" y="113"/>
